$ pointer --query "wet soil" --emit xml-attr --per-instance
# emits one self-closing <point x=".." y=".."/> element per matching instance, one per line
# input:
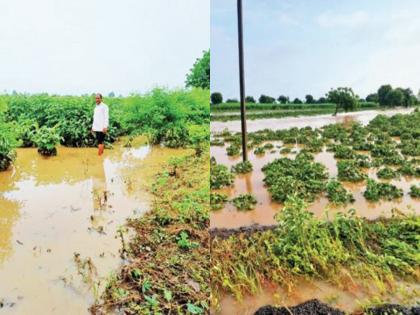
<point x="74" y="203"/>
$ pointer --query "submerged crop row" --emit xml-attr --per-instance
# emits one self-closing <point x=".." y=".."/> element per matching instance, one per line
<point x="390" y="145"/>
<point x="377" y="252"/>
<point x="169" y="257"/>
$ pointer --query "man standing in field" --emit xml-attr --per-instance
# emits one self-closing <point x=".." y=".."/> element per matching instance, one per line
<point x="100" y="122"/>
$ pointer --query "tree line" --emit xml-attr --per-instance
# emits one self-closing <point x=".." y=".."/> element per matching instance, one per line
<point x="343" y="97"/>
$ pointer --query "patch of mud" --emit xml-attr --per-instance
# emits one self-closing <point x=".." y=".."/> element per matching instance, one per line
<point x="312" y="307"/>
<point x="315" y="307"/>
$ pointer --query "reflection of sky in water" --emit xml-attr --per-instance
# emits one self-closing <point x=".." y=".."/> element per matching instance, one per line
<point x="138" y="153"/>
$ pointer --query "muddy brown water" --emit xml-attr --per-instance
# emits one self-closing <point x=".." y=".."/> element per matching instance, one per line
<point x="346" y="296"/>
<point x="264" y="212"/>
<point x="51" y="208"/>
<point x="314" y="121"/>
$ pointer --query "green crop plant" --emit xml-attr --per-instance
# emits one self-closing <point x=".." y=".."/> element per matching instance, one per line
<point x="233" y="150"/>
<point x="376" y="191"/>
<point x="220" y="176"/>
<point x="337" y="194"/>
<point x="348" y="170"/>
<point x="302" y="176"/>
<point x="301" y="245"/>
<point x="7" y="146"/>
<point x="415" y="191"/>
<point x="387" y="173"/>
<point x="46" y="140"/>
<point x="217" y="201"/>
<point x="245" y="202"/>
<point x="259" y="151"/>
<point x="242" y="167"/>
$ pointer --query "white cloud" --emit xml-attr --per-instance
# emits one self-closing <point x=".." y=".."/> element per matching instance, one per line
<point x="351" y="20"/>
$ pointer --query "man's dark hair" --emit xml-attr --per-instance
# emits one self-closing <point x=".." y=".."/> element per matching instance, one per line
<point x="100" y="95"/>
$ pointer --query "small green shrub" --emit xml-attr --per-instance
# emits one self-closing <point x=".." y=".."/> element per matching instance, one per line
<point x="259" y="151"/>
<point x="233" y="150"/>
<point x="46" y="139"/>
<point x="376" y="191"/>
<point x="387" y="173"/>
<point x="217" y="201"/>
<point x="245" y="202"/>
<point x="220" y="176"/>
<point x="242" y="167"/>
<point x="337" y="194"/>
<point x="348" y="170"/>
<point x="415" y="191"/>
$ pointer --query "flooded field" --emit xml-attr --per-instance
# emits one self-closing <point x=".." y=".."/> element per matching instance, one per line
<point x="264" y="212"/>
<point x="313" y="121"/>
<point x="59" y="213"/>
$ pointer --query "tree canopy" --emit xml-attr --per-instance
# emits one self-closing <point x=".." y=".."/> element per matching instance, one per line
<point x="199" y="75"/>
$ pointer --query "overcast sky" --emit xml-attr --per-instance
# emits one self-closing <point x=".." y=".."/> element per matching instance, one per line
<point x="85" y="46"/>
<point x="299" y="47"/>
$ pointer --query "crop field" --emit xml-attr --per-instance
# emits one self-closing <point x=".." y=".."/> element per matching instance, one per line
<point x="328" y="212"/>
<point x="64" y="236"/>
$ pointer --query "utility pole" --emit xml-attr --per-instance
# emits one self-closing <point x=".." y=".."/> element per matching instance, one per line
<point x="242" y="82"/>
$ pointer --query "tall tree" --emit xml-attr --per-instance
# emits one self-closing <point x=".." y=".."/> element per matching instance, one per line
<point x="309" y="99"/>
<point x="199" y="75"/>
<point x="383" y="92"/>
<point x="265" y="99"/>
<point x="250" y="99"/>
<point x="216" y="98"/>
<point x="283" y="99"/>
<point x="343" y="97"/>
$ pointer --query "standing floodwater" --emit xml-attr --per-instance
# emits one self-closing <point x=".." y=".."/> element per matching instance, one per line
<point x="313" y="121"/>
<point x="53" y="210"/>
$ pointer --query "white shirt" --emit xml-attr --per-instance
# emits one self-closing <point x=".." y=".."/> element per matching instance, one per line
<point x="100" y="117"/>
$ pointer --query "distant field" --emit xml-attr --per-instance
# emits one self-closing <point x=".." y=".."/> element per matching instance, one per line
<point x="230" y="111"/>
<point x="290" y="106"/>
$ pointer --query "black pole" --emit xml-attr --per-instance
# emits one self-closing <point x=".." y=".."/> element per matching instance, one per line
<point x="242" y="82"/>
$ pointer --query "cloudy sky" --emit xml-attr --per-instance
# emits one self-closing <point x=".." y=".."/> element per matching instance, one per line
<point x="299" y="47"/>
<point x="84" y="46"/>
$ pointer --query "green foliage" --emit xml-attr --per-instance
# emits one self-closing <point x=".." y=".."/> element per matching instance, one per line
<point x="259" y="151"/>
<point x="46" y="139"/>
<point x="184" y="241"/>
<point x="300" y="176"/>
<point x="217" y="201"/>
<point x="344" y="98"/>
<point x="265" y="99"/>
<point x="303" y="246"/>
<point x="216" y="98"/>
<point x="415" y="191"/>
<point x="7" y="145"/>
<point x="337" y="194"/>
<point x="242" y="167"/>
<point x="199" y="76"/>
<point x="220" y="176"/>
<point x="164" y="115"/>
<point x="245" y="202"/>
<point x="348" y="170"/>
<point x="387" y="173"/>
<point x="376" y="191"/>
<point x="233" y="150"/>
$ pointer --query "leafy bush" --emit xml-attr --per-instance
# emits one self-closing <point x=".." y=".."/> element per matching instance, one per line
<point x="348" y="170"/>
<point x="7" y="144"/>
<point x="376" y="191"/>
<point x="415" y="191"/>
<point x="259" y="151"/>
<point x="387" y="173"/>
<point x="46" y="139"/>
<point x="217" y="201"/>
<point x="220" y="176"/>
<point x="300" y="176"/>
<point x="233" y="150"/>
<point x="245" y="202"/>
<point x="337" y="194"/>
<point x="242" y="167"/>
